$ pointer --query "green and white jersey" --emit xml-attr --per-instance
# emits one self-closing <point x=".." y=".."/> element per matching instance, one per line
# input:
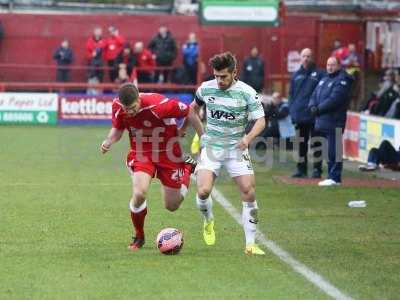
<point x="228" y="112"/>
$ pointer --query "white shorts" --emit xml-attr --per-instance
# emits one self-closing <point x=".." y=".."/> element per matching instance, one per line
<point x="236" y="162"/>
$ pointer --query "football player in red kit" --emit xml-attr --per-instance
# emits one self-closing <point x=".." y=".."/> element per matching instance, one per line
<point x="150" y="120"/>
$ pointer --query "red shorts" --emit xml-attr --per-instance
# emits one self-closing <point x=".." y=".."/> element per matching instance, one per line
<point x="167" y="171"/>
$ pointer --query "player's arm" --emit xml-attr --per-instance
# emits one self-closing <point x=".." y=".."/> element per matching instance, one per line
<point x="258" y="127"/>
<point x="194" y="118"/>
<point x="256" y="112"/>
<point x="113" y="136"/>
<point x="182" y="129"/>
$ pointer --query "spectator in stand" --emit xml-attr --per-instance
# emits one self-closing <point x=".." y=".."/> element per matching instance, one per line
<point x="127" y="58"/>
<point x="113" y="47"/>
<point x="190" y="52"/>
<point x="163" y="46"/>
<point x="381" y="102"/>
<point x="94" y="54"/>
<point x="385" y="155"/>
<point x="1" y="32"/>
<point x="124" y="77"/>
<point x="274" y="110"/>
<point x="340" y="52"/>
<point x="145" y="62"/>
<point x="352" y="64"/>
<point x="64" y="58"/>
<point x="253" y="71"/>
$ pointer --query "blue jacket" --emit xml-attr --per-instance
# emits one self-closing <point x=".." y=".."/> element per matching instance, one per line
<point x="302" y="86"/>
<point x="331" y="98"/>
<point x="190" y="53"/>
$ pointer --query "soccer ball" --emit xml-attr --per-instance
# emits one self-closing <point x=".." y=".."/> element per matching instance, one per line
<point x="169" y="241"/>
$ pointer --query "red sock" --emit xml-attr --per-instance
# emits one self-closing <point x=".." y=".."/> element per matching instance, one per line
<point x="187" y="170"/>
<point x="138" y="222"/>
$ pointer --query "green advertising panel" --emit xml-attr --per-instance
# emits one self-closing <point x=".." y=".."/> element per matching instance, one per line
<point x="28" y="108"/>
<point x="240" y="12"/>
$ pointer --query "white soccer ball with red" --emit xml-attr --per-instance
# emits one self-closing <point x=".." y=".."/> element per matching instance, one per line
<point x="169" y="241"/>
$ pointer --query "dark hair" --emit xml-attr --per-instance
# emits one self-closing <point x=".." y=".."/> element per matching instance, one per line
<point x="222" y="61"/>
<point x="128" y="94"/>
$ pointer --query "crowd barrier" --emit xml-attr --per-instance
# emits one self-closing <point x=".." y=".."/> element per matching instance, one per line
<point x="62" y="108"/>
<point x="364" y="132"/>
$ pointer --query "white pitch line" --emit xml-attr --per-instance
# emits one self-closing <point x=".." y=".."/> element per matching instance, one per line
<point x="283" y="255"/>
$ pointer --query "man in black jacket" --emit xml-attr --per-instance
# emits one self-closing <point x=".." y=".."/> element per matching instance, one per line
<point x="64" y="58"/>
<point x="302" y="86"/>
<point x="163" y="46"/>
<point x="329" y="104"/>
<point x="253" y="71"/>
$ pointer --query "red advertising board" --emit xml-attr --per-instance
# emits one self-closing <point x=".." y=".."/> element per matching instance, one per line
<point x="351" y="138"/>
<point x="85" y="109"/>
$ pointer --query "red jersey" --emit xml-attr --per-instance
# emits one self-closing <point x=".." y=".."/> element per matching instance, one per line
<point x="113" y="47"/>
<point x="145" y="60"/>
<point x="93" y="44"/>
<point x="154" y="124"/>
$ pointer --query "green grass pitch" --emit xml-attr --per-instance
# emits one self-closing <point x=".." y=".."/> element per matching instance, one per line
<point x="65" y="227"/>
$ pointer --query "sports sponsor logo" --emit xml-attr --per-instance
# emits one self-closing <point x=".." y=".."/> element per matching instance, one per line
<point x="28" y="108"/>
<point x="85" y="109"/>
<point x="219" y="114"/>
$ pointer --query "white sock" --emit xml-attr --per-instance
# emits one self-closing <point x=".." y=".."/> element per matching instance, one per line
<point x="250" y="220"/>
<point x="184" y="190"/>
<point x="137" y="209"/>
<point x="205" y="206"/>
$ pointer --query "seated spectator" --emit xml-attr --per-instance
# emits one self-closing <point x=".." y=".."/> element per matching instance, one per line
<point x="94" y="55"/>
<point x="113" y="46"/>
<point x="385" y="155"/>
<point x="381" y="101"/>
<point x="190" y="52"/>
<point x="274" y="110"/>
<point x="127" y="58"/>
<point x="145" y="62"/>
<point x="64" y="58"/>
<point x="163" y="46"/>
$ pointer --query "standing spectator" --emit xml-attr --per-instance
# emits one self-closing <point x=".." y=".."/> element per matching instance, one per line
<point x="190" y="52"/>
<point x="94" y="54"/>
<point x="329" y="104"/>
<point x="145" y="62"/>
<point x="253" y="71"/>
<point x="64" y="58"/>
<point x="163" y="46"/>
<point x="386" y="155"/>
<point x="1" y="32"/>
<point x="352" y="64"/>
<point x="127" y="58"/>
<point x="113" y="47"/>
<point x="302" y="85"/>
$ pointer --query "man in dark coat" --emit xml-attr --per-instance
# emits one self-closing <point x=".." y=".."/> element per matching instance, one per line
<point x="329" y="104"/>
<point x="302" y="85"/>
<point x="163" y="46"/>
<point x="253" y="71"/>
<point x="64" y="58"/>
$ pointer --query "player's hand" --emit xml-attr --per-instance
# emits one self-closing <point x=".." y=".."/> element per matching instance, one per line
<point x="105" y="147"/>
<point x="243" y="143"/>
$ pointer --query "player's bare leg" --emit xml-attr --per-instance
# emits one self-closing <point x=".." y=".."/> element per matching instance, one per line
<point x="172" y="198"/>
<point x="246" y="184"/>
<point x="205" y="183"/>
<point x="138" y="207"/>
